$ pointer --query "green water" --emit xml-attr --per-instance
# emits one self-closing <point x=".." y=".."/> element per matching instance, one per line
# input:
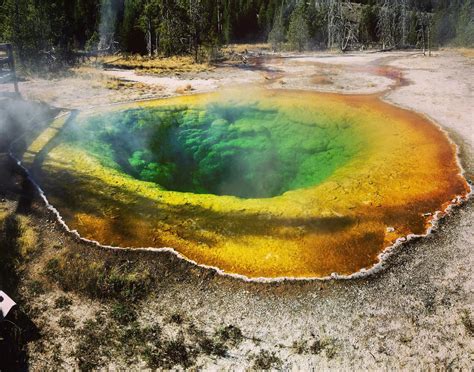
<point x="224" y="149"/>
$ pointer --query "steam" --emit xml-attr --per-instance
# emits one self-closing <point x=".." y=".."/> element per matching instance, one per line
<point x="109" y="10"/>
<point x="18" y="117"/>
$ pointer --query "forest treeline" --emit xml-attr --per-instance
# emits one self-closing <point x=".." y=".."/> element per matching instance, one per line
<point x="173" y="27"/>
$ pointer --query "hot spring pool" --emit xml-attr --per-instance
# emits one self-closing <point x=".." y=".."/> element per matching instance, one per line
<point x="244" y="149"/>
<point x="259" y="183"/>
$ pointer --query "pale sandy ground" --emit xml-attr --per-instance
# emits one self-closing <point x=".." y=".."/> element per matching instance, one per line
<point x="411" y="315"/>
<point x="443" y="90"/>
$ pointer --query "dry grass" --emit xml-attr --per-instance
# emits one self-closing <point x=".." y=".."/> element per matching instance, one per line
<point x="242" y="48"/>
<point x="3" y="215"/>
<point x="157" y="65"/>
<point x="119" y="84"/>
<point x="175" y="64"/>
<point x="28" y="239"/>
<point x="466" y="52"/>
<point x="96" y="278"/>
<point x="99" y="80"/>
<point x="88" y="72"/>
<point x="27" y="236"/>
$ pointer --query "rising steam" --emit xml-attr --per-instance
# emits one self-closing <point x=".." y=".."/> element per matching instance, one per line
<point x="109" y="10"/>
<point x="18" y="117"/>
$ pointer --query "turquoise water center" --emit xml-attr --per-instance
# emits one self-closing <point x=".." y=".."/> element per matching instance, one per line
<point x="223" y="148"/>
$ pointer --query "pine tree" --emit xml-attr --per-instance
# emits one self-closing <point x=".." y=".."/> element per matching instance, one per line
<point x="173" y="29"/>
<point x="276" y="37"/>
<point x="298" y="31"/>
<point x="465" y="25"/>
<point x="198" y="24"/>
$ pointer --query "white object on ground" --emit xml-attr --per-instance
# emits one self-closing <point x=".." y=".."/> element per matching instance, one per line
<point x="6" y="304"/>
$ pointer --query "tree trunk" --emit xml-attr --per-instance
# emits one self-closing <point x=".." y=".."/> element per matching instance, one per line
<point x="331" y="24"/>
<point x="149" y="38"/>
<point x="429" y="40"/>
<point x="16" y="31"/>
<point x="404" y="22"/>
<point x="423" y="39"/>
<point x="219" y="19"/>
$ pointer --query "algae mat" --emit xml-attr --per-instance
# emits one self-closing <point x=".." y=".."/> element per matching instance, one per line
<point x="258" y="183"/>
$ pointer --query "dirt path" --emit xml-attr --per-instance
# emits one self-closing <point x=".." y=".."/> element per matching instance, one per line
<point x="416" y="313"/>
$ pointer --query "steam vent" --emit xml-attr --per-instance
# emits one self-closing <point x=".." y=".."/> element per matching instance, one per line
<point x="262" y="184"/>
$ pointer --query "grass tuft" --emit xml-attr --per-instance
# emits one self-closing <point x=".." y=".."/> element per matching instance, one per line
<point x="123" y="313"/>
<point x="230" y="334"/>
<point x="265" y="360"/>
<point x="176" y="318"/>
<point x="300" y="347"/>
<point x="62" y="302"/>
<point x="93" y="346"/>
<point x="28" y="239"/>
<point x="467" y="322"/>
<point x="66" y="321"/>
<point x="170" y="354"/>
